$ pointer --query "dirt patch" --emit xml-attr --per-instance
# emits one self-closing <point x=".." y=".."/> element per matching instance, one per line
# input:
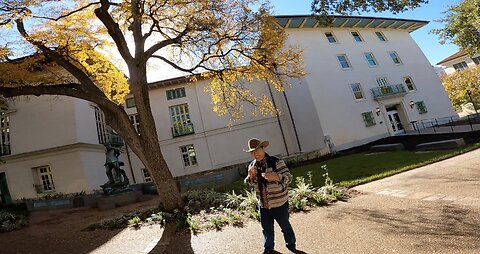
<point x="60" y="231"/>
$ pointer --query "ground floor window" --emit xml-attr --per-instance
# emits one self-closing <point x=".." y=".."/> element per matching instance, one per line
<point x="422" y="109"/>
<point x="189" y="156"/>
<point x="146" y="176"/>
<point x="43" y="179"/>
<point x="368" y="119"/>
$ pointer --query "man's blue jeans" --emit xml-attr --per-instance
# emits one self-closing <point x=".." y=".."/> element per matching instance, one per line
<point x="279" y="214"/>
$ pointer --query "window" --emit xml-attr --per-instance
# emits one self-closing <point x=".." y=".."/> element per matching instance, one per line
<point x="422" y="109"/>
<point x="409" y="83"/>
<point x="44" y="180"/>
<point x="357" y="91"/>
<point x="380" y="36"/>
<point x="176" y="93"/>
<point x="460" y="66"/>
<point x="101" y="126"/>
<point x="130" y="103"/>
<point x="146" y="176"/>
<point x="188" y="155"/>
<point x="395" y="57"/>
<point x="343" y="60"/>
<point x="476" y="60"/>
<point x="330" y="37"/>
<point x="382" y="82"/>
<point x="5" y="136"/>
<point x="357" y="37"/>
<point x="181" y="123"/>
<point x="372" y="62"/>
<point x="368" y="119"/>
<point x="135" y="122"/>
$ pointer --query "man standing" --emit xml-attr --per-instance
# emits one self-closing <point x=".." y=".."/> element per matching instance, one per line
<point x="270" y="177"/>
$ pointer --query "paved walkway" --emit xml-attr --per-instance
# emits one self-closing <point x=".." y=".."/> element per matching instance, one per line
<point x="433" y="209"/>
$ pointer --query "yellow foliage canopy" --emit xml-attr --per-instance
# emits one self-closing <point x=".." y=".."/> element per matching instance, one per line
<point x="459" y="83"/>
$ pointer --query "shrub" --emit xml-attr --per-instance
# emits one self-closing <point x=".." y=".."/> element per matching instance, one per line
<point x="10" y="221"/>
<point x="135" y="222"/>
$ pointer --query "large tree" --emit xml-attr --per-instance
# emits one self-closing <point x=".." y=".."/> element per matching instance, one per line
<point x="462" y="26"/>
<point x="226" y="41"/>
<point x="458" y="84"/>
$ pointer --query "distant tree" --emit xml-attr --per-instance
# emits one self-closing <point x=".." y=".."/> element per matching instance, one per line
<point x="462" y="26"/>
<point x="331" y="7"/>
<point x="459" y="83"/>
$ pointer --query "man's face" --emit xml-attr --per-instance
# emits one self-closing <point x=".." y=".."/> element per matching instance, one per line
<point x="258" y="154"/>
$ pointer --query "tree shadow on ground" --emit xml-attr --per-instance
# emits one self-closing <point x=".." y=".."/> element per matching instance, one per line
<point x="441" y="226"/>
<point x="173" y="241"/>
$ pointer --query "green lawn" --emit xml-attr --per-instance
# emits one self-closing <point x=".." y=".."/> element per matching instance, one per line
<point x="361" y="168"/>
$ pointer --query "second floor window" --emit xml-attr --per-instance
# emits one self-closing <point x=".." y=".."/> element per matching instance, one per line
<point x="382" y="82"/>
<point x="395" y="57"/>
<point x="476" y="60"/>
<point x="5" y="136"/>
<point x="357" y="91"/>
<point x="409" y="83"/>
<point x="330" y="37"/>
<point x="460" y="66"/>
<point x="102" y="131"/>
<point x="176" y="93"/>
<point x="343" y="60"/>
<point x="181" y="123"/>
<point x="135" y="120"/>
<point x="372" y="62"/>
<point x="130" y="103"/>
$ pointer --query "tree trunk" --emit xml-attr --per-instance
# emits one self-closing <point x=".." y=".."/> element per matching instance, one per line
<point x="154" y="161"/>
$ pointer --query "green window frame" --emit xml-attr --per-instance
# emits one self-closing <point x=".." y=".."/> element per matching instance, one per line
<point x="176" y="93"/>
<point x="368" y="118"/>
<point x="422" y="109"/>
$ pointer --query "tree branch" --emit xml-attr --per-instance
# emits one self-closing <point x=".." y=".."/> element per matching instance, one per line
<point x="68" y="14"/>
<point x="114" y="30"/>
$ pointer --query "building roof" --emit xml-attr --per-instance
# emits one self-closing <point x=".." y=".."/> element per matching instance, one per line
<point x="453" y="57"/>
<point x="309" y="21"/>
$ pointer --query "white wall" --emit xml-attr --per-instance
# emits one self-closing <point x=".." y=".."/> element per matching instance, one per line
<point x="67" y="172"/>
<point x="448" y="66"/>
<point x="338" y="111"/>
<point x="42" y="122"/>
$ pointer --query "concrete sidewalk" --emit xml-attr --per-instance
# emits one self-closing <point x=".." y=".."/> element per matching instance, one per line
<point x="433" y="209"/>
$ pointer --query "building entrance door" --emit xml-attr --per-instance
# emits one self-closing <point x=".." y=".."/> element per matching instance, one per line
<point x="395" y="122"/>
<point x="4" y="193"/>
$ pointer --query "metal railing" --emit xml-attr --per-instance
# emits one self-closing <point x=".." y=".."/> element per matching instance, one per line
<point x="181" y="130"/>
<point x="445" y="125"/>
<point x="384" y="91"/>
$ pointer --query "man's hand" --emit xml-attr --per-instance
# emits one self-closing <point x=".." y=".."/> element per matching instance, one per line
<point x="251" y="172"/>
<point x="271" y="176"/>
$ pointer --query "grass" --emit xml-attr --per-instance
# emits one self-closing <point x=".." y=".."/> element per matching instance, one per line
<point x="362" y="168"/>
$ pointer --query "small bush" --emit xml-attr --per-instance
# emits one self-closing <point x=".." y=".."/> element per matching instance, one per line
<point x="10" y="221"/>
<point x="135" y="222"/>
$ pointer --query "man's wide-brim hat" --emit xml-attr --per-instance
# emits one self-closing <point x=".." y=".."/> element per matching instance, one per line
<point x="256" y="143"/>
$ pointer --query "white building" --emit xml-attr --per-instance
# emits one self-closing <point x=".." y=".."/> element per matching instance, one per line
<point x="366" y="79"/>
<point x="458" y="62"/>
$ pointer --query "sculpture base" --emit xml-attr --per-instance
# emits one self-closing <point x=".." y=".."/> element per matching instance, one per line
<point x="120" y="199"/>
<point x="115" y="188"/>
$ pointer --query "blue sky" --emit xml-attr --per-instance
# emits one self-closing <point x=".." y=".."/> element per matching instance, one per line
<point x="429" y="43"/>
